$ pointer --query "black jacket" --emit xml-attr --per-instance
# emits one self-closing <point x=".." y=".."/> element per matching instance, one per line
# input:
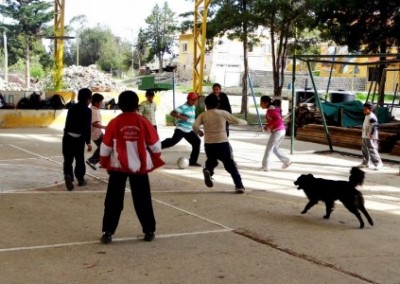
<point x="79" y="120"/>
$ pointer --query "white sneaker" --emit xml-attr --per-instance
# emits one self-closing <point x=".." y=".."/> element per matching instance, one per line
<point x="378" y="166"/>
<point x="264" y="169"/>
<point x="285" y="166"/>
<point x="361" y="166"/>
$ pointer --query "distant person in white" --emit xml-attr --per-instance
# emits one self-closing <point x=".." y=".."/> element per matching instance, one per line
<point x="370" y="139"/>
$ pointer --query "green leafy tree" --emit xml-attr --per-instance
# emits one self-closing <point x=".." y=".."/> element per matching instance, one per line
<point x="285" y="19"/>
<point x="25" y="21"/>
<point x="369" y="26"/>
<point x="71" y="47"/>
<point x="235" y="18"/>
<point x="160" y="32"/>
<point x="100" y="46"/>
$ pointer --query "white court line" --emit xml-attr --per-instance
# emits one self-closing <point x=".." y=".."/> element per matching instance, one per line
<point x="114" y="240"/>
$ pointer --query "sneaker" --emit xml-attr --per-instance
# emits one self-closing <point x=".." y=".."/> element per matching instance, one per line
<point x="82" y="182"/>
<point x="90" y="164"/>
<point x="106" y="238"/>
<point x="285" y="166"/>
<point x="68" y="183"/>
<point x="207" y="178"/>
<point x="195" y="165"/>
<point x="240" y="189"/>
<point x="378" y="166"/>
<point x="362" y="166"/>
<point x="148" y="237"/>
<point x="264" y="169"/>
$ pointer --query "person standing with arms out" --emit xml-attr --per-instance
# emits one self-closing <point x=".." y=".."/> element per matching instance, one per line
<point x="77" y="132"/>
<point x="185" y="116"/>
<point x="96" y="134"/>
<point x="130" y="150"/>
<point x="277" y="127"/>
<point x="216" y="143"/>
<point x="148" y="108"/>
<point x="223" y="100"/>
<point x="370" y="139"/>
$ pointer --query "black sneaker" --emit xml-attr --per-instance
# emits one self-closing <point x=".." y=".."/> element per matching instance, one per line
<point x="148" y="237"/>
<point x="106" y="238"/>
<point x="239" y="189"/>
<point x="90" y="164"/>
<point x="195" y="165"/>
<point x="82" y="182"/>
<point x="207" y="178"/>
<point x="68" y="183"/>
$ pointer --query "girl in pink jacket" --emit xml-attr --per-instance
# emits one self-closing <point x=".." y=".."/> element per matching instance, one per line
<point x="276" y="126"/>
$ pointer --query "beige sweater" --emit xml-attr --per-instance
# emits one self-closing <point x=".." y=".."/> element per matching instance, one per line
<point x="214" y="125"/>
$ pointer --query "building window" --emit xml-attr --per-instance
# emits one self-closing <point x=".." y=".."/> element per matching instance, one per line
<point x="373" y="74"/>
<point x="184" y="46"/>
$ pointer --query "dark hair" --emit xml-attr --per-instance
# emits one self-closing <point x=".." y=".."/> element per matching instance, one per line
<point x="267" y="99"/>
<point x="216" y="85"/>
<point x="211" y="101"/>
<point x="150" y="93"/>
<point x="84" y="94"/>
<point x="96" y="98"/>
<point x="368" y="105"/>
<point x="128" y="101"/>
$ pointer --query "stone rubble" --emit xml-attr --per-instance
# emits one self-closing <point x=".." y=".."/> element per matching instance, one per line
<point x="74" y="78"/>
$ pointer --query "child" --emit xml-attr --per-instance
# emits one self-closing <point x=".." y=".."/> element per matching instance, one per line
<point x="370" y="139"/>
<point x="96" y="134"/>
<point x="185" y="116"/>
<point x="148" y="108"/>
<point x="216" y="143"/>
<point x="76" y="134"/>
<point x="276" y="126"/>
<point x="130" y="150"/>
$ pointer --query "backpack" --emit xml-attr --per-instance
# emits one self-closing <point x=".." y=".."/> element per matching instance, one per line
<point x="57" y="102"/>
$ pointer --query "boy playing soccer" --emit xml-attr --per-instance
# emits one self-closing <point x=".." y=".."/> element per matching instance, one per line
<point x="216" y="143"/>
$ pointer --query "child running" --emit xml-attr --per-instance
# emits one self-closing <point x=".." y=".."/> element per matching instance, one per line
<point x="276" y="126"/>
<point x="216" y="143"/>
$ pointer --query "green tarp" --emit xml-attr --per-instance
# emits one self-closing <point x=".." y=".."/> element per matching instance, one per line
<point x="350" y="113"/>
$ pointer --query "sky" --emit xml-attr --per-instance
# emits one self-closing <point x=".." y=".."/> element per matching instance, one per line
<point x="123" y="17"/>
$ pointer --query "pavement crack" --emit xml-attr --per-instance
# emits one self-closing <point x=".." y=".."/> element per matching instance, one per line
<point x="268" y="242"/>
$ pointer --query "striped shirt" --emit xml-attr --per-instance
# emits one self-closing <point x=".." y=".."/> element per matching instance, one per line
<point x="188" y="111"/>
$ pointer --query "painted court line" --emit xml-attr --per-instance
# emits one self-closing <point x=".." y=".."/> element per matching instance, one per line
<point x="114" y="240"/>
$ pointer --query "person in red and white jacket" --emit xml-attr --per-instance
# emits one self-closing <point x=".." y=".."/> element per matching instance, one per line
<point x="130" y="149"/>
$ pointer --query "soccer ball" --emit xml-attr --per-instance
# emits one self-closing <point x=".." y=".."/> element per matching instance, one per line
<point x="182" y="163"/>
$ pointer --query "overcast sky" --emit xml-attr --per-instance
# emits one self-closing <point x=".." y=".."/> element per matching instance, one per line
<point x="124" y="17"/>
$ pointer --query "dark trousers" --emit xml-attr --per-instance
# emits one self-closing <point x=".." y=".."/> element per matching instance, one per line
<point x="95" y="158"/>
<point x="73" y="149"/>
<point x="141" y="196"/>
<point x="222" y="152"/>
<point x="190" y="137"/>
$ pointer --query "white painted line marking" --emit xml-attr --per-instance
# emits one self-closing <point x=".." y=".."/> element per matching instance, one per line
<point x="114" y="240"/>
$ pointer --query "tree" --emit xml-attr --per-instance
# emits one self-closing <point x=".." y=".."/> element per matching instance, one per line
<point x="100" y="46"/>
<point x="141" y="50"/>
<point x="284" y="19"/>
<point x="76" y="25"/>
<point x="235" y="18"/>
<point x="369" y="26"/>
<point x="26" y="22"/>
<point x="160" y="32"/>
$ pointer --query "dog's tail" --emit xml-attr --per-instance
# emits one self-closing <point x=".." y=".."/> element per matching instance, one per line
<point x="356" y="176"/>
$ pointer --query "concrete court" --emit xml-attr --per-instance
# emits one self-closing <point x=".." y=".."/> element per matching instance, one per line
<point x="203" y="235"/>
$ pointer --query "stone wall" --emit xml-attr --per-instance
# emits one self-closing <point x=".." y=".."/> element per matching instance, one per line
<point x="263" y="79"/>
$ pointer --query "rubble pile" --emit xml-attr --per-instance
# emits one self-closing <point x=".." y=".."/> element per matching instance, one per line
<point x="74" y="78"/>
<point x="11" y="86"/>
<point x="77" y="77"/>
